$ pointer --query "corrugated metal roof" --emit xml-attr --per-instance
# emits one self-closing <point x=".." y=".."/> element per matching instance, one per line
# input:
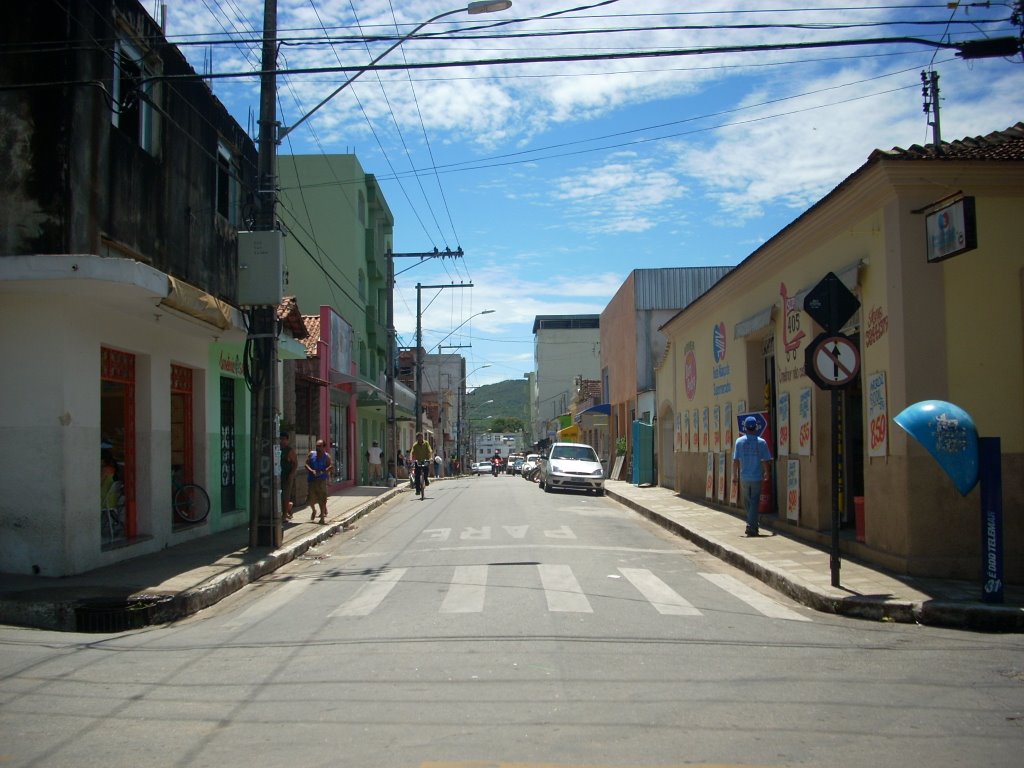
<point x="673" y="287"/>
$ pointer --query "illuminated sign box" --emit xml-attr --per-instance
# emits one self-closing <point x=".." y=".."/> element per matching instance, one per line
<point x="951" y="230"/>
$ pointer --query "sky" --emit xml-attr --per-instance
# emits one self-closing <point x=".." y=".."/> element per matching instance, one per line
<point x="630" y="145"/>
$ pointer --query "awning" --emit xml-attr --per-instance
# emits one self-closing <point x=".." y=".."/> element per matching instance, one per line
<point x="290" y="349"/>
<point x="754" y="323"/>
<point x="198" y="304"/>
<point x="569" y="434"/>
<point x="601" y="412"/>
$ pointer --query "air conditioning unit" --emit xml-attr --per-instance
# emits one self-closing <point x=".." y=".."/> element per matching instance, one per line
<point x="260" y="268"/>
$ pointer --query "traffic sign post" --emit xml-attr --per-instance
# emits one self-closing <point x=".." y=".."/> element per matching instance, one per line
<point x="832" y="361"/>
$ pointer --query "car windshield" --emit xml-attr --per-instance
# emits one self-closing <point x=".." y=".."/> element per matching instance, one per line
<point x="576" y="452"/>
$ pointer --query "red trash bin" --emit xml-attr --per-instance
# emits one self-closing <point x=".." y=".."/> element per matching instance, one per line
<point x="764" y="503"/>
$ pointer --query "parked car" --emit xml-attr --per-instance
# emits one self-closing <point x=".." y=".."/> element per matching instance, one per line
<point x="517" y="465"/>
<point x="532" y="459"/>
<point x="481" y="467"/>
<point x="572" y="466"/>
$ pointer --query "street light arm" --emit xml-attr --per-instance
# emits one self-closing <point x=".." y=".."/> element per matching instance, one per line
<point x="453" y="330"/>
<point x="472" y="8"/>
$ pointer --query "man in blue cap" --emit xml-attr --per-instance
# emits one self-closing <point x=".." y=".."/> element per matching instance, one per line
<point x="752" y="459"/>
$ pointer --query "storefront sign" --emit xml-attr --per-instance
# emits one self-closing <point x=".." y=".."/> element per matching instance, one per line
<point x="951" y="230"/>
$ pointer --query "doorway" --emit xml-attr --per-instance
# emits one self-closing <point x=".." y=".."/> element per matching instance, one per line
<point x="118" y="523"/>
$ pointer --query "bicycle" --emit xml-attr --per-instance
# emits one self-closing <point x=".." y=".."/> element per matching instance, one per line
<point x="190" y="502"/>
<point x="420" y="478"/>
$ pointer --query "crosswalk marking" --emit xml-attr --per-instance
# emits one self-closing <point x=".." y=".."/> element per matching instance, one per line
<point x="466" y="591"/>
<point x="267" y="604"/>
<point x="370" y="595"/>
<point x="468" y="586"/>
<point x="563" y="592"/>
<point x="665" y="600"/>
<point x="753" y="598"/>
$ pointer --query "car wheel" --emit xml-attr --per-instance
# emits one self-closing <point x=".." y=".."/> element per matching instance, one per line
<point x="599" y="491"/>
<point x="547" y="488"/>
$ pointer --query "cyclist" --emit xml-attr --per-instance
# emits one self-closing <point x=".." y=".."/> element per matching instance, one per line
<point x="421" y="451"/>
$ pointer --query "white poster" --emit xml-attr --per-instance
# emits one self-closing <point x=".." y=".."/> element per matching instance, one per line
<point x="803" y="423"/>
<point x="705" y="430"/>
<point x="709" y="482"/>
<point x="716" y="429"/>
<point x="686" y="431"/>
<point x="721" y="476"/>
<point x="727" y="428"/>
<point x="793" y="490"/>
<point x="878" y="415"/>
<point x="677" y="433"/>
<point x="783" y="416"/>
<point x="695" y="432"/>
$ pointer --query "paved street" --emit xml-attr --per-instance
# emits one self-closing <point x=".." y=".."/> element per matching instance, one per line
<point x="495" y="624"/>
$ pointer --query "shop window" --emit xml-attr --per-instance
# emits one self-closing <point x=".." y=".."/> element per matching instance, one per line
<point x="134" y="92"/>
<point x="227" y="192"/>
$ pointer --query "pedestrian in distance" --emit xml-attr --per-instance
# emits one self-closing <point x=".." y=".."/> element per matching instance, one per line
<point x="373" y="455"/>
<point x="438" y="461"/>
<point x="318" y="469"/>
<point x="752" y="459"/>
<point x="289" y="466"/>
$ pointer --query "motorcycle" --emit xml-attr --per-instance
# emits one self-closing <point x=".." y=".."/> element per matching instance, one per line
<point x="495" y="466"/>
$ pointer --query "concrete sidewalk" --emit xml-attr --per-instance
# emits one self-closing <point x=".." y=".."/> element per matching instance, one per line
<point x="177" y="581"/>
<point x="182" y="580"/>
<point x="802" y="570"/>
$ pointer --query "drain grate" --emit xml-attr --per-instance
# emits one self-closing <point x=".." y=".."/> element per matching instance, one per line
<point x="117" y="615"/>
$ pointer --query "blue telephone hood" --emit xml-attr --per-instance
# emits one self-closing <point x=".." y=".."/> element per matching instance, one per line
<point x="948" y="433"/>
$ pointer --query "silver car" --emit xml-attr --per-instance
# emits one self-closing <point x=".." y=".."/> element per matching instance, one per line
<point x="572" y="466"/>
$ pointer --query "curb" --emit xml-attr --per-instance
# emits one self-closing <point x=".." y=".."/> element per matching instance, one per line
<point x="214" y="590"/>
<point x="939" y="613"/>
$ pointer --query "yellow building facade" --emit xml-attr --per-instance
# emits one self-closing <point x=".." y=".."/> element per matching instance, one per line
<point x="927" y="328"/>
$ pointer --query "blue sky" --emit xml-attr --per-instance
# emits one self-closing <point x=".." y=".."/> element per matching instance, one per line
<point x="559" y="178"/>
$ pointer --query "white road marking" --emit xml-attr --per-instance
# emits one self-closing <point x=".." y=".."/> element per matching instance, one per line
<point x="370" y="595"/>
<point x="266" y="604"/>
<point x="563" y="592"/>
<point x="753" y="598"/>
<point x="664" y="599"/>
<point x="466" y="591"/>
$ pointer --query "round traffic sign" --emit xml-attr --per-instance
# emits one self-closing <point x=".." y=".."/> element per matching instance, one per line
<point x="836" y="360"/>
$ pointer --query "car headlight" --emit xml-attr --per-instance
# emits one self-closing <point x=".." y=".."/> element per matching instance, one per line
<point x="597" y="473"/>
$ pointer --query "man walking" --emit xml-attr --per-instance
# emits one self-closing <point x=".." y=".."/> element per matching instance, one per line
<point x="752" y="459"/>
<point x="373" y="455"/>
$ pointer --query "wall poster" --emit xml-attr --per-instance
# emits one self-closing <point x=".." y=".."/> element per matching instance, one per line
<point x="878" y="415"/>
<point x="783" y="415"/>
<point x="803" y="423"/>
<point x="695" y="431"/>
<point x="705" y="429"/>
<point x="716" y="429"/>
<point x="793" y="490"/>
<point x="686" y="431"/>
<point x="727" y="422"/>
<point x="709" y="482"/>
<point x="720" y="495"/>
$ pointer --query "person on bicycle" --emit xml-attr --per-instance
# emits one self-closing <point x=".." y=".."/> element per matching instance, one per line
<point x="421" y="451"/>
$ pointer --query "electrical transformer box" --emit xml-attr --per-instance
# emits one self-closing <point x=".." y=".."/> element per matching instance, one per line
<point x="260" y="268"/>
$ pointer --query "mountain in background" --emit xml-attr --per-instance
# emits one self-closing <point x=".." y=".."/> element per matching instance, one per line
<point x="511" y="400"/>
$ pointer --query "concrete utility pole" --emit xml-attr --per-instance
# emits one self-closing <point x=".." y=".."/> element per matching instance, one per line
<point x="265" y="514"/>
<point x="419" y="346"/>
<point x="391" y="449"/>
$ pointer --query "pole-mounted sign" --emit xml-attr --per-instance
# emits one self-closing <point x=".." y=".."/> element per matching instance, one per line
<point x="832" y="361"/>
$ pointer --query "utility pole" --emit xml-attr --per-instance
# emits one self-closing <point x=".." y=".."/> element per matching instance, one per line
<point x="265" y="514"/>
<point x="930" y="91"/>
<point x="419" y="346"/>
<point x="391" y="449"/>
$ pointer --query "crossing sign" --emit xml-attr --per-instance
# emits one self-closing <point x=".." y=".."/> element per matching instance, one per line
<point x="832" y="360"/>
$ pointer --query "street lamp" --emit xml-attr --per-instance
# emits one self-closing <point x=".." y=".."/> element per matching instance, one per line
<point x="484" y="6"/>
<point x="458" y="422"/>
<point x="265" y="517"/>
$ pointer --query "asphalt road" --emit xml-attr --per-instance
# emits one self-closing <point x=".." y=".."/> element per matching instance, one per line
<point x="492" y="624"/>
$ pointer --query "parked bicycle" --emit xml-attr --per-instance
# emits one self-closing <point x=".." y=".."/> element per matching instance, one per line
<point x="190" y="502"/>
